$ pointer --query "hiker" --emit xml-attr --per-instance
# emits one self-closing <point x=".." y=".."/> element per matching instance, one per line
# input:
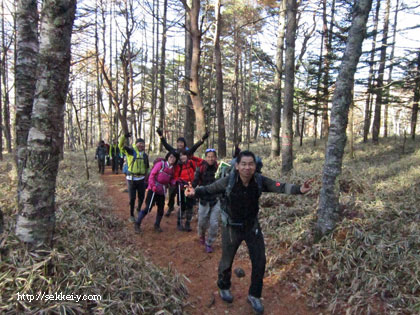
<point x="100" y="155"/>
<point x="114" y="153"/>
<point x="209" y="206"/>
<point x="160" y="177"/>
<point x="108" y="161"/>
<point x="184" y="174"/>
<point x="181" y="144"/>
<point x="241" y="191"/>
<point x="138" y="166"/>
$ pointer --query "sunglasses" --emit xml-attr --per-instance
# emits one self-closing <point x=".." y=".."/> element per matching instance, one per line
<point x="210" y="150"/>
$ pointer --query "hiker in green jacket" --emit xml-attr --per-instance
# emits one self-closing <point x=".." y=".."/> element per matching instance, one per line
<point x="241" y="191"/>
<point x="138" y="167"/>
<point x="114" y="153"/>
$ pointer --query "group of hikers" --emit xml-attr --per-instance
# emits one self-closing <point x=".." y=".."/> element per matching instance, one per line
<point x="109" y="154"/>
<point x="233" y="198"/>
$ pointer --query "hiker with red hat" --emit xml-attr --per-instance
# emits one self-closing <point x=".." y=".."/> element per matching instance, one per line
<point x="181" y="144"/>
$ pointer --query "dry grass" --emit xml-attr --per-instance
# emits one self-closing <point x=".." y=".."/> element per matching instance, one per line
<point x="371" y="263"/>
<point x="87" y="258"/>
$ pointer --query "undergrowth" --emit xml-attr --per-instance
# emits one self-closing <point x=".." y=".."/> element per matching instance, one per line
<point x="87" y="258"/>
<point x="371" y="262"/>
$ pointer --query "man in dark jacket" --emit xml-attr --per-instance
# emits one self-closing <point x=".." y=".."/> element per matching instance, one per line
<point x="114" y="153"/>
<point x="181" y="145"/>
<point x="101" y="153"/>
<point x="241" y="191"/>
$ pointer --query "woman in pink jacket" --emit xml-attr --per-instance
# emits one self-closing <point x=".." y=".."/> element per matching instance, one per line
<point x="160" y="177"/>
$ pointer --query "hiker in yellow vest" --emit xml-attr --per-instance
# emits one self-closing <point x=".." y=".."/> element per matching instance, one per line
<point x="138" y="167"/>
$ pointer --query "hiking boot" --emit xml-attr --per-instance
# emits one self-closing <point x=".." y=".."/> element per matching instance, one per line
<point x="187" y="227"/>
<point x="256" y="304"/>
<point x="132" y="219"/>
<point x="209" y="249"/>
<point x="202" y="240"/>
<point x="158" y="229"/>
<point x="168" y="213"/>
<point x="226" y="295"/>
<point x="137" y="228"/>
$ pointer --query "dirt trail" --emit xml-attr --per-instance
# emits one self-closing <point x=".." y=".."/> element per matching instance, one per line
<point x="182" y="252"/>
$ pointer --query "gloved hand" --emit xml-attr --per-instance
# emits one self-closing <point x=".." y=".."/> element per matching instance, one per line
<point x="159" y="132"/>
<point x="154" y="189"/>
<point x="206" y="135"/>
<point x="128" y="135"/>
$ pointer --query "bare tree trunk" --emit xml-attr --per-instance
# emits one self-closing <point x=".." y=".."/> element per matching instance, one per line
<point x="194" y="87"/>
<point x="162" y="71"/>
<point x="368" y="108"/>
<point x="380" y="81"/>
<point x="36" y="219"/>
<point x="189" y="112"/>
<point x="328" y="212"/>
<point x="391" y="67"/>
<point x="221" y="135"/>
<point x="416" y="100"/>
<point x="327" y="52"/>
<point x="26" y="75"/>
<point x="276" y="111"/>
<point x="235" y="93"/>
<point x="287" y="129"/>
<point x="98" y="73"/>
<point x="5" y="83"/>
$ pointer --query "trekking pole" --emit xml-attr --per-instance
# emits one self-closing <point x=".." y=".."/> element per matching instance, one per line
<point x="150" y="204"/>
<point x="180" y="202"/>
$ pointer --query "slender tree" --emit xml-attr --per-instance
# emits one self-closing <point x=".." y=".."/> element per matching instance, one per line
<point x="328" y="212"/>
<point x="221" y="135"/>
<point x="287" y="125"/>
<point x="380" y="80"/>
<point x="416" y="99"/>
<point x="276" y="110"/>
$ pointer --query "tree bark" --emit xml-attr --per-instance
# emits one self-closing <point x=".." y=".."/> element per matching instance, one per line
<point x="287" y="129"/>
<point x="162" y="71"/>
<point x="328" y="212"/>
<point x="276" y="110"/>
<point x="36" y="219"/>
<point x="368" y="106"/>
<point x="189" y="111"/>
<point x="416" y="100"/>
<point x="221" y="135"/>
<point x="194" y="87"/>
<point x="380" y="80"/>
<point x="26" y="74"/>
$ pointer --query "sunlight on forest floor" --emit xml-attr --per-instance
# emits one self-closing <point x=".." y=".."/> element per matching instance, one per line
<point x="86" y="259"/>
<point x="371" y="263"/>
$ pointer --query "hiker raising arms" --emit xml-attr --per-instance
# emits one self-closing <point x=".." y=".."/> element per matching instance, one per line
<point x="101" y="153"/>
<point x="138" y="166"/>
<point x="209" y="206"/>
<point x="161" y="176"/>
<point x="241" y="191"/>
<point x="184" y="173"/>
<point x="181" y="144"/>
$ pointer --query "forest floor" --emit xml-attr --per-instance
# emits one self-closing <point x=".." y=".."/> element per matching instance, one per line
<point x="182" y="251"/>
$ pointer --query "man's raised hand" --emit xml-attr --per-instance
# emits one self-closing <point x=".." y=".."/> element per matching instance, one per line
<point x="159" y="132"/>
<point x="306" y="186"/>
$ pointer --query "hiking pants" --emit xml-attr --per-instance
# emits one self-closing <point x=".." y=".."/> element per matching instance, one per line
<point x="133" y="187"/>
<point x="121" y="161"/>
<point x="232" y="237"/>
<point x="158" y="200"/>
<point x="115" y="164"/>
<point x="173" y="191"/>
<point x="101" y="166"/>
<point x="208" y="218"/>
<point x="185" y="208"/>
